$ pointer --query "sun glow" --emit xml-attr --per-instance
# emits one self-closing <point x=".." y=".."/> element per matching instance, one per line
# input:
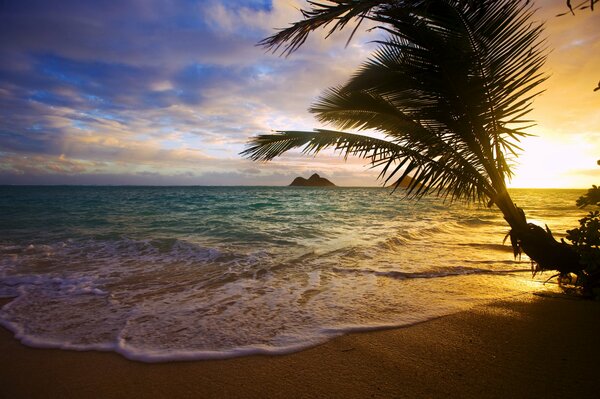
<point x="548" y="163"/>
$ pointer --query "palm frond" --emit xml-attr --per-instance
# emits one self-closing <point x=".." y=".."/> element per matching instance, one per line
<point x="434" y="172"/>
<point x="463" y="76"/>
<point x="584" y="4"/>
<point x="363" y="110"/>
<point x="448" y="89"/>
<point x="320" y="14"/>
<point x="265" y="147"/>
<point x="337" y="14"/>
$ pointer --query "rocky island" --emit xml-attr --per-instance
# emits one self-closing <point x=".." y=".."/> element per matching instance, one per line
<point x="314" y="181"/>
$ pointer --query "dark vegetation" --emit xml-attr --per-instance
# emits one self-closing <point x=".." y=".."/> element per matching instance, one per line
<point x="592" y="197"/>
<point x="449" y="89"/>
<point x="585" y="239"/>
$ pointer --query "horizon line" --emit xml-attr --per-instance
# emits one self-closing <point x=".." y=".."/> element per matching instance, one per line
<point x="241" y="185"/>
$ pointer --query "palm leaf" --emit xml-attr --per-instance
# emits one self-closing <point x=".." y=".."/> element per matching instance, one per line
<point x="448" y="89"/>
<point x="321" y="14"/>
<point x="436" y="172"/>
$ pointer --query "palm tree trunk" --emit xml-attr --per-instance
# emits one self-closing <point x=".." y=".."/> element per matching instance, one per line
<point x="537" y="243"/>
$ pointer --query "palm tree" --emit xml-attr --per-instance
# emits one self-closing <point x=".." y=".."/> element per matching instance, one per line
<point x="449" y="89"/>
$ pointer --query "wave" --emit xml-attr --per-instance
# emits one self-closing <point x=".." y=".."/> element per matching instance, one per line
<point x="118" y="248"/>
<point x="152" y="312"/>
<point x="495" y="247"/>
<point x="457" y="271"/>
<point x="161" y="274"/>
<point x="478" y="221"/>
<point x="119" y="344"/>
<point x="12" y="286"/>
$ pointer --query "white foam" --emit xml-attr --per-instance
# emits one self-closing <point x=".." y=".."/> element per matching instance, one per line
<point x="158" y="300"/>
<point x="152" y="355"/>
<point x="11" y="286"/>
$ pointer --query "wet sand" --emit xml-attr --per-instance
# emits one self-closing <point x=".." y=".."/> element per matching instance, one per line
<point x="529" y="347"/>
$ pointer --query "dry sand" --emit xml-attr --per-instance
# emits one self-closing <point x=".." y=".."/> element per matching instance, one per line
<point x="525" y="348"/>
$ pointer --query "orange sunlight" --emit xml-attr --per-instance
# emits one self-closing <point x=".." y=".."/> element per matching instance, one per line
<point x="567" y="147"/>
<point x="556" y="163"/>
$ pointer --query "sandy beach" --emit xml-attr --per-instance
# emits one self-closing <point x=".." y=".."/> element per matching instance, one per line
<point x="528" y="347"/>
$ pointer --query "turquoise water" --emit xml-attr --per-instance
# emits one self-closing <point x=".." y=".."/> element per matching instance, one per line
<point x="174" y="273"/>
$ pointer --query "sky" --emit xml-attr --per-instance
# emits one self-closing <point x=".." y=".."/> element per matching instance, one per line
<point x="167" y="92"/>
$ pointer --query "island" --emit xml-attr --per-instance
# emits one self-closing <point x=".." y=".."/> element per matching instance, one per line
<point x="314" y="181"/>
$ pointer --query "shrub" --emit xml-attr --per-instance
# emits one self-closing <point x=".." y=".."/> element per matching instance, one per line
<point x="585" y="239"/>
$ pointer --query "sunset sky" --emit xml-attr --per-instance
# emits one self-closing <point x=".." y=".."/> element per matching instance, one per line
<point x="168" y="92"/>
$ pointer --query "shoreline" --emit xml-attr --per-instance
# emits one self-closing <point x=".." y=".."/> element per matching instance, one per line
<point x="524" y="347"/>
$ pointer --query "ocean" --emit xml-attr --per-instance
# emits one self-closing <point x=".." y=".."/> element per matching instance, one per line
<point x="182" y="273"/>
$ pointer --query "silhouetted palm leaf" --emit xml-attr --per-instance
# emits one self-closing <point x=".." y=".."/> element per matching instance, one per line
<point x="448" y="88"/>
<point x="583" y="5"/>
<point x="320" y="15"/>
<point x="433" y="170"/>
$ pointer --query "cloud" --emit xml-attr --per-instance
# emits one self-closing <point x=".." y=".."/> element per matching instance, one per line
<point x="156" y="88"/>
<point x="126" y="86"/>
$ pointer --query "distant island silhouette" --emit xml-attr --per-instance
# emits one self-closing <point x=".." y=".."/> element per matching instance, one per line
<point x="314" y="181"/>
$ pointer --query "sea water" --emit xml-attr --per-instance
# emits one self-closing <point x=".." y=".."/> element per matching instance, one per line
<point x="180" y="273"/>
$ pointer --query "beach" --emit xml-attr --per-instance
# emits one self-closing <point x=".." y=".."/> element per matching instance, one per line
<point x="176" y="223"/>
<point x="529" y="346"/>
